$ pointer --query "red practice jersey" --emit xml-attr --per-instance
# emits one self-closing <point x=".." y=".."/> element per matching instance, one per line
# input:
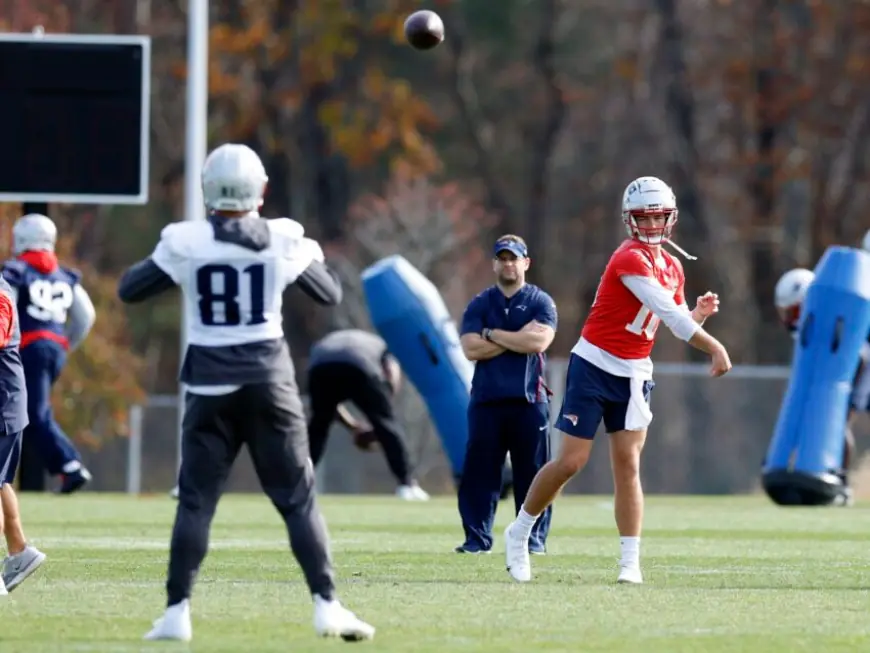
<point x="618" y="322"/>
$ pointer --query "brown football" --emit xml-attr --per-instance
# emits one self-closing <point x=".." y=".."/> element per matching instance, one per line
<point x="424" y="29"/>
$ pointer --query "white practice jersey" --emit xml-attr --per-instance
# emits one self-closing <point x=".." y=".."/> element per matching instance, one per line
<point x="233" y="295"/>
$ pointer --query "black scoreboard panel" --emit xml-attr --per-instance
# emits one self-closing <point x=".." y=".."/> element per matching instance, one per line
<point x="74" y="119"/>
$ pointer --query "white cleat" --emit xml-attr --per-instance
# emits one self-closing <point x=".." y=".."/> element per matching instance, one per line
<point x="517" y="556"/>
<point x="332" y="619"/>
<point x="174" y="624"/>
<point x="3" y="591"/>
<point x="412" y="493"/>
<point x="630" y="575"/>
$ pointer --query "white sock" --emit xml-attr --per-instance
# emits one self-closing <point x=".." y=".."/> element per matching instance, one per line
<point x="524" y="524"/>
<point x="630" y="551"/>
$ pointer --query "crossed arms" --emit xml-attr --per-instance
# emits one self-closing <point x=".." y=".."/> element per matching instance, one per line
<point x="533" y="338"/>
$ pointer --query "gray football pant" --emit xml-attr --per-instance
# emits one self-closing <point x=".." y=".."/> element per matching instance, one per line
<point x="269" y="418"/>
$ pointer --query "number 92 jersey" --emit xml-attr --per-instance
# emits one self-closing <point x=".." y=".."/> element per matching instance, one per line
<point x="618" y="322"/>
<point x="44" y="298"/>
<point x="232" y="294"/>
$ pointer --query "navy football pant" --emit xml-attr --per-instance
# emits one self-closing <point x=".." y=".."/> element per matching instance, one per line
<point x="43" y="360"/>
<point x="494" y="429"/>
<point x="10" y="455"/>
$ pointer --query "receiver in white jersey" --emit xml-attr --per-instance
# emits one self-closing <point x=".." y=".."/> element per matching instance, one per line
<point x="232" y="269"/>
<point x="232" y="272"/>
<point x="232" y="294"/>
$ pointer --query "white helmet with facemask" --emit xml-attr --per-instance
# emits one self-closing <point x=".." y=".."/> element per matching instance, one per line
<point x="649" y="197"/>
<point x="233" y="179"/>
<point x="34" y="232"/>
<point x="789" y="295"/>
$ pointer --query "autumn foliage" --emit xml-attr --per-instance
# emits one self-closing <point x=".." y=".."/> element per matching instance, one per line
<point x="530" y="118"/>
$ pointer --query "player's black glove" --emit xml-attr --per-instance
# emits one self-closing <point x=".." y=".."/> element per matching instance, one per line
<point x="365" y="440"/>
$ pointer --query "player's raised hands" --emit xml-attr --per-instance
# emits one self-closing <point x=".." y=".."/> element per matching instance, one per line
<point x="707" y="305"/>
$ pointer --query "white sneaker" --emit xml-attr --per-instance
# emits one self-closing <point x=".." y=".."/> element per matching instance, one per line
<point x="174" y="624"/>
<point x="17" y="568"/>
<point x="332" y="619"/>
<point x="3" y="591"/>
<point x="412" y="492"/>
<point x="517" y="556"/>
<point x="630" y="574"/>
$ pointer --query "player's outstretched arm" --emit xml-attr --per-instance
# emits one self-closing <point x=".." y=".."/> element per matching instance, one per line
<point x="679" y="320"/>
<point x="82" y="316"/>
<point x="320" y="283"/>
<point x="720" y="360"/>
<point x="142" y="281"/>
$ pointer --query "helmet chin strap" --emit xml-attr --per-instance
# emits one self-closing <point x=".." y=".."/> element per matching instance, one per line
<point x="679" y="249"/>
<point x="663" y="240"/>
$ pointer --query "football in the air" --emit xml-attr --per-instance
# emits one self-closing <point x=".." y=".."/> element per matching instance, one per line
<point x="424" y="29"/>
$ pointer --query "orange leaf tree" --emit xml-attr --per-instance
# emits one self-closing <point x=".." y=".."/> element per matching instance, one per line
<point x="275" y="62"/>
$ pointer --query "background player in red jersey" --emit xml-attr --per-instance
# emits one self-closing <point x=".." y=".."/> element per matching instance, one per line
<point x="610" y="372"/>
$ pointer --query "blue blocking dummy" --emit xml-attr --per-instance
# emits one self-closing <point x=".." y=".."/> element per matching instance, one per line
<point x="804" y="459"/>
<point x="409" y="314"/>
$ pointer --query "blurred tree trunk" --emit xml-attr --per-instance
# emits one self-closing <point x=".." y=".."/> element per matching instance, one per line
<point x="771" y="115"/>
<point x="541" y="136"/>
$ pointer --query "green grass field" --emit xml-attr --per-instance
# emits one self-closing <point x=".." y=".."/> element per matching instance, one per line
<point x="723" y="574"/>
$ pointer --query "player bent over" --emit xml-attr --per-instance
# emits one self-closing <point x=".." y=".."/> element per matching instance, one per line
<point x="241" y="388"/>
<point x="610" y="372"/>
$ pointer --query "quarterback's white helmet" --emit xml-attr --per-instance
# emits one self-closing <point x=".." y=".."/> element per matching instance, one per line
<point x="866" y="242"/>
<point x="32" y="232"/>
<point x="647" y="197"/>
<point x="789" y="294"/>
<point x="233" y="179"/>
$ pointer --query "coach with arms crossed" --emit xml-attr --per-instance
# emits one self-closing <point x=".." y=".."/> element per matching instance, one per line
<point x="506" y="329"/>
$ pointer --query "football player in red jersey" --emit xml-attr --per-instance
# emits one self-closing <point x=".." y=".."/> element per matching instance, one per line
<point x="610" y="372"/>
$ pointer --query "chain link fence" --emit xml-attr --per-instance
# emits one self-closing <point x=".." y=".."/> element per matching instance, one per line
<point x="708" y="437"/>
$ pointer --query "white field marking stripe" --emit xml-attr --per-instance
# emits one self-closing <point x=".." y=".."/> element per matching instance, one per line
<point x="157" y="582"/>
<point x="114" y="647"/>
<point x="162" y="544"/>
<point x="748" y="570"/>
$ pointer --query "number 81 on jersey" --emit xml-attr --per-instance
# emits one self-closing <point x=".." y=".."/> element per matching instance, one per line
<point x="230" y="297"/>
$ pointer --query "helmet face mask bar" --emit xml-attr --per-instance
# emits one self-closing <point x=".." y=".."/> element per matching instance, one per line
<point x="650" y="235"/>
